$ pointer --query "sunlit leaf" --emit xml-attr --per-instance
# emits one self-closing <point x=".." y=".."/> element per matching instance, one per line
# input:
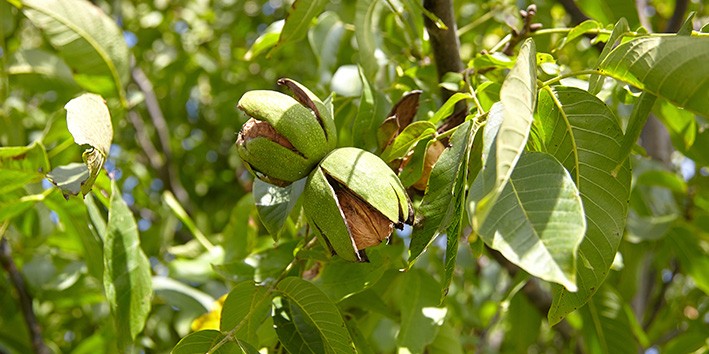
<point x="299" y="18"/>
<point x="537" y="222"/>
<point x="584" y="135"/>
<point x="87" y="39"/>
<point x="405" y="141"/>
<point x="266" y="40"/>
<point x="89" y="122"/>
<point x="126" y="276"/>
<point x="653" y="64"/>
<point x="518" y="97"/>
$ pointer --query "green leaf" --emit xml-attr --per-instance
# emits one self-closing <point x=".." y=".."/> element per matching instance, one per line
<point x="325" y="39"/>
<point x="317" y="308"/>
<point x="39" y="62"/>
<point x="444" y="192"/>
<point x="579" y="31"/>
<point x="494" y="60"/>
<point x="403" y="142"/>
<point x="203" y="341"/>
<point x="606" y="326"/>
<point x="72" y="215"/>
<point x="653" y="64"/>
<point x="22" y="165"/>
<point x="595" y="83"/>
<point x="300" y="16"/>
<point x="296" y="331"/>
<point x="340" y="279"/>
<point x="245" y="308"/>
<point x="266" y="40"/>
<point x="126" y="276"/>
<point x="689" y="251"/>
<point x="69" y="178"/>
<point x="274" y="203"/>
<point x="87" y="39"/>
<point x="418" y="299"/>
<point x="518" y="97"/>
<point x="448" y="107"/>
<point x="181" y="296"/>
<point x="584" y="135"/>
<point x="636" y="123"/>
<point x="537" y="222"/>
<point x="367" y="14"/>
<point x="681" y="125"/>
<point x="370" y="106"/>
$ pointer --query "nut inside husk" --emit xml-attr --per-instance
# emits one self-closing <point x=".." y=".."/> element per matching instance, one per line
<point x="368" y="227"/>
<point x="253" y="129"/>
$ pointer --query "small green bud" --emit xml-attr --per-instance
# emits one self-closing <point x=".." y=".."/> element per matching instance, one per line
<point x="354" y="200"/>
<point x="285" y="137"/>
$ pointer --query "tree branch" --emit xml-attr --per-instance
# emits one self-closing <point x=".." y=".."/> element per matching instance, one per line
<point x="160" y="124"/>
<point x="35" y="331"/>
<point x="577" y="15"/>
<point x="444" y="42"/>
<point x="677" y="16"/>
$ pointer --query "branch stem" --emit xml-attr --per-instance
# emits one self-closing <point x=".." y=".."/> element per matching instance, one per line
<point x="25" y="299"/>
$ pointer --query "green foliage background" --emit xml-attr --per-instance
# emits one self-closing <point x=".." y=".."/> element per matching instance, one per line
<point x="172" y="226"/>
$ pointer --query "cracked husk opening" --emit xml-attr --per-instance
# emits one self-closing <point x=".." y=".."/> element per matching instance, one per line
<point x="368" y="227"/>
<point x="255" y="128"/>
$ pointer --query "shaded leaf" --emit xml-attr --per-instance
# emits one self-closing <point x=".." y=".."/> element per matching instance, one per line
<point x="595" y="83"/>
<point x="340" y="278"/>
<point x="274" y="203"/>
<point x="181" y="296"/>
<point x="367" y="14"/>
<point x="244" y="309"/>
<point x="203" y="341"/>
<point x="444" y="192"/>
<point x="320" y="311"/>
<point x="325" y="38"/>
<point x="296" y="331"/>
<point x="69" y="178"/>
<point x="418" y="300"/>
<point x="689" y="252"/>
<point x="22" y="165"/>
<point x="126" y="276"/>
<point x="537" y="222"/>
<point x="584" y="135"/>
<point x="606" y="326"/>
<point x="88" y="40"/>
<point x="653" y="64"/>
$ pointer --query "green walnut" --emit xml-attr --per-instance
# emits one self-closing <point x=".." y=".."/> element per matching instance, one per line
<point x="354" y="200"/>
<point x="285" y="137"/>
